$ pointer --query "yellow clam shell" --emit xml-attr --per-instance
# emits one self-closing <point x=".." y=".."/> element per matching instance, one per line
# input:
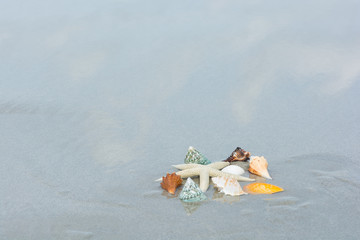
<point x="262" y="188"/>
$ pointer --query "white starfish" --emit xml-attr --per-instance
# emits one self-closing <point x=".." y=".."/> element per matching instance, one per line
<point x="206" y="171"/>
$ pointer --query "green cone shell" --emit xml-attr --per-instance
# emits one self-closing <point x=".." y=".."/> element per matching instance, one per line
<point x="194" y="156"/>
<point x="191" y="192"/>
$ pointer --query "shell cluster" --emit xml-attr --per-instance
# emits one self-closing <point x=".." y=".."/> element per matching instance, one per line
<point x="224" y="175"/>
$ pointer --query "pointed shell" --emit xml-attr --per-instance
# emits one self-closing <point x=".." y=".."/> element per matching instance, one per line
<point x="233" y="169"/>
<point x="171" y="182"/>
<point x="194" y="156"/>
<point x="262" y="188"/>
<point x="238" y="154"/>
<point x="191" y="192"/>
<point x="227" y="185"/>
<point x="258" y="166"/>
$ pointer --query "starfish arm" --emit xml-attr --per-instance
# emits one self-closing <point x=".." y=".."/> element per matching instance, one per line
<point x="189" y="173"/>
<point x="204" y="179"/>
<point x="217" y="173"/>
<point x="215" y="165"/>
<point x="218" y="165"/>
<point x="187" y="166"/>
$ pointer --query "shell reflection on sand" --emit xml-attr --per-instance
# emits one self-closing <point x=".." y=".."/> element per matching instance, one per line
<point x="191" y="207"/>
<point x="169" y="195"/>
<point x="221" y="197"/>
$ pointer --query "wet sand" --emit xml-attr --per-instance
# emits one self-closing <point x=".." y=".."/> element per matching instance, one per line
<point x="97" y="100"/>
<point x="52" y="187"/>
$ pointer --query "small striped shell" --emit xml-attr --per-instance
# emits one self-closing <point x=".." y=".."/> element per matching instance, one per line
<point x="191" y="192"/>
<point x="194" y="156"/>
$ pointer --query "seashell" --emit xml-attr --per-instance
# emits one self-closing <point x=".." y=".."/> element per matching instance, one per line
<point x="238" y="154"/>
<point x="228" y="185"/>
<point x="262" y="188"/>
<point x="194" y="156"/>
<point x="171" y="182"/>
<point x="233" y="169"/>
<point x="191" y="192"/>
<point x="258" y="166"/>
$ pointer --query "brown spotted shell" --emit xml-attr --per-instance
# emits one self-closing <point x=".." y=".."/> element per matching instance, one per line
<point x="238" y="154"/>
<point x="171" y="182"/>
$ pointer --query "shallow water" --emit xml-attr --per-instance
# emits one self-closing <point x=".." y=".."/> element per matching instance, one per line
<point x="99" y="99"/>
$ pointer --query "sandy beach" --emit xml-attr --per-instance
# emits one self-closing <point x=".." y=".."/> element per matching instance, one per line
<point x="99" y="99"/>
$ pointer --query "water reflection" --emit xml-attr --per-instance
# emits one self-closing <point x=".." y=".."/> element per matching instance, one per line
<point x="257" y="178"/>
<point x="191" y="207"/>
<point x="169" y="195"/>
<point x="107" y="131"/>
<point x="17" y="108"/>
<point x="26" y="108"/>
<point x="221" y="197"/>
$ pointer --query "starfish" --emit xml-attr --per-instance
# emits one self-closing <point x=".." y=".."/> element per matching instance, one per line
<point x="206" y="171"/>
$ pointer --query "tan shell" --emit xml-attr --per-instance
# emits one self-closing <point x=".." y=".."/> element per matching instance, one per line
<point x="258" y="166"/>
<point x="171" y="182"/>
